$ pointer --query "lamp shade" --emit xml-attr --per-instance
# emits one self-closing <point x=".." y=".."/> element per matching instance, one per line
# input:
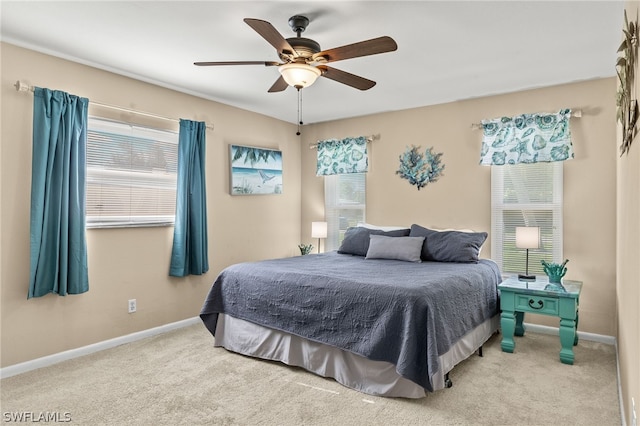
<point x="528" y="237"/>
<point x="299" y="75"/>
<point x="318" y="229"/>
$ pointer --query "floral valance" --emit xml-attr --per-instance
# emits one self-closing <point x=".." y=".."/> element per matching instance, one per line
<point x="342" y="156"/>
<point x="527" y="138"/>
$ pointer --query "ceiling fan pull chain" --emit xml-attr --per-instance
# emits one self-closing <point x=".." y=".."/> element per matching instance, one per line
<point x="299" y="110"/>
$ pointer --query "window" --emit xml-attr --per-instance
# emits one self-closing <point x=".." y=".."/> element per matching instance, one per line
<point x="344" y="202"/>
<point x="526" y="195"/>
<point x="131" y="175"/>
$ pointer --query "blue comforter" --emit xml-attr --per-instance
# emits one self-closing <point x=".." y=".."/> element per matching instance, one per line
<point x="404" y="313"/>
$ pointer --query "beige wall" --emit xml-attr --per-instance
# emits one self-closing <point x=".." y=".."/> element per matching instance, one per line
<point x="628" y="267"/>
<point x="461" y="198"/>
<point x="130" y="263"/>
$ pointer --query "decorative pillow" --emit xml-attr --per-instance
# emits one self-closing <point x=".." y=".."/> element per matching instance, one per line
<point x="356" y="239"/>
<point x="381" y="228"/>
<point x="396" y="248"/>
<point x="459" y="230"/>
<point x="449" y="246"/>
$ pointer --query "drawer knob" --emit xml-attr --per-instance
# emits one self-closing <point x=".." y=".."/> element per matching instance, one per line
<point x="532" y="302"/>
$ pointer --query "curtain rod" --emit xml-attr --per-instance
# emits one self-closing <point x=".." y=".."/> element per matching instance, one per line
<point x="24" y="87"/>
<point x="369" y="140"/>
<point x="574" y="113"/>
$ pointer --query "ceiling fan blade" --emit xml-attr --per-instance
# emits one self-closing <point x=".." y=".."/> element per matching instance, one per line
<point x="356" y="50"/>
<point x="346" y="78"/>
<point x="278" y="86"/>
<point x="266" y="64"/>
<point x="269" y="33"/>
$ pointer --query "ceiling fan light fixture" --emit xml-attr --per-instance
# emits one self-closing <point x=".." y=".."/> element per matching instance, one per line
<point x="299" y="75"/>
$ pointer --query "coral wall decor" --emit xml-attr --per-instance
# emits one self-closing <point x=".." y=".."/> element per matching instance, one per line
<point x="420" y="169"/>
<point x="627" y="108"/>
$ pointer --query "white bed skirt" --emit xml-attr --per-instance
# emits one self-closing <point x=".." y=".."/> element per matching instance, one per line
<point x="353" y="371"/>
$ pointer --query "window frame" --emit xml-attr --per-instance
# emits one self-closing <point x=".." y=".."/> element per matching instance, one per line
<point x="550" y="235"/>
<point x="334" y="204"/>
<point x="115" y="177"/>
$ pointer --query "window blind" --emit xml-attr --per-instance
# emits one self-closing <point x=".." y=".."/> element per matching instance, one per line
<point x="131" y="175"/>
<point x="345" y="205"/>
<point x="526" y="195"/>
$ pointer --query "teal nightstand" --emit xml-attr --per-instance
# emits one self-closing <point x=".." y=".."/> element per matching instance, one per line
<point x="518" y="297"/>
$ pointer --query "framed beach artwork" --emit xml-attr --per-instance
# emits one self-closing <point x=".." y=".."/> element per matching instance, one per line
<point x="255" y="171"/>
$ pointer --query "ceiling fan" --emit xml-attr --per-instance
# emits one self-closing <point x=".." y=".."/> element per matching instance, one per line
<point x="302" y="59"/>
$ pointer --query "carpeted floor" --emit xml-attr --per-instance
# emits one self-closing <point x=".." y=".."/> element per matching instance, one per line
<point x="179" y="378"/>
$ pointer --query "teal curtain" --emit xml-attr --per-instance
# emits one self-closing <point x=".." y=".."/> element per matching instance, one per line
<point x="58" y="185"/>
<point x="342" y="156"/>
<point x="189" y="254"/>
<point x="527" y="138"/>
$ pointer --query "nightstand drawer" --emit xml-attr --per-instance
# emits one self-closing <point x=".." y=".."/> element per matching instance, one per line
<point x="537" y="304"/>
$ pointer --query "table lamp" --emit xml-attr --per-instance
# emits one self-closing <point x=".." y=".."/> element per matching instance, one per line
<point x="318" y="230"/>
<point x="527" y="237"/>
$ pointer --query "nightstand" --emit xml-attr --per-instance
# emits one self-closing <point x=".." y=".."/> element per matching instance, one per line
<point x="540" y="297"/>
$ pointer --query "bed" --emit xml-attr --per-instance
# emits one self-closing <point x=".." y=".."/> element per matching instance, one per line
<point x="370" y="315"/>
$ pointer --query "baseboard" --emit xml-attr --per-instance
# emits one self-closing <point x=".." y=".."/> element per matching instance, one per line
<point x="46" y="361"/>
<point x="582" y="335"/>
<point x="620" y="398"/>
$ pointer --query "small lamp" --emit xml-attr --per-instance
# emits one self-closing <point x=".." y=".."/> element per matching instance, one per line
<point x="318" y="230"/>
<point x="527" y="237"/>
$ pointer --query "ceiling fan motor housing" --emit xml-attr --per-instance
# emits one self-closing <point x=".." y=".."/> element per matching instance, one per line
<point x="304" y="47"/>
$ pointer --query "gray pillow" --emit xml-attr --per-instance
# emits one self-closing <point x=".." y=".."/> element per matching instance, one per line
<point x="449" y="246"/>
<point x="356" y="239"/>
<point x="396" y="248"/>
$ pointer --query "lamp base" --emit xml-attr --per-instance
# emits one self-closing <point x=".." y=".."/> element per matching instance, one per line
<point x="523" y="277"/>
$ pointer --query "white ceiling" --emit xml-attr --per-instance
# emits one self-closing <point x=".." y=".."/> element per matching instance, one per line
<point x="447" y="50"/>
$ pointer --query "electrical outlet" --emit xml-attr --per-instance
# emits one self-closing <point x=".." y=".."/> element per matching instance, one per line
<point x="634" y="417"/>
<point x="132" y="305"/>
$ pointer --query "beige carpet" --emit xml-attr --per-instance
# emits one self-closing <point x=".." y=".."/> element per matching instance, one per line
<point x="179" y="378"/>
